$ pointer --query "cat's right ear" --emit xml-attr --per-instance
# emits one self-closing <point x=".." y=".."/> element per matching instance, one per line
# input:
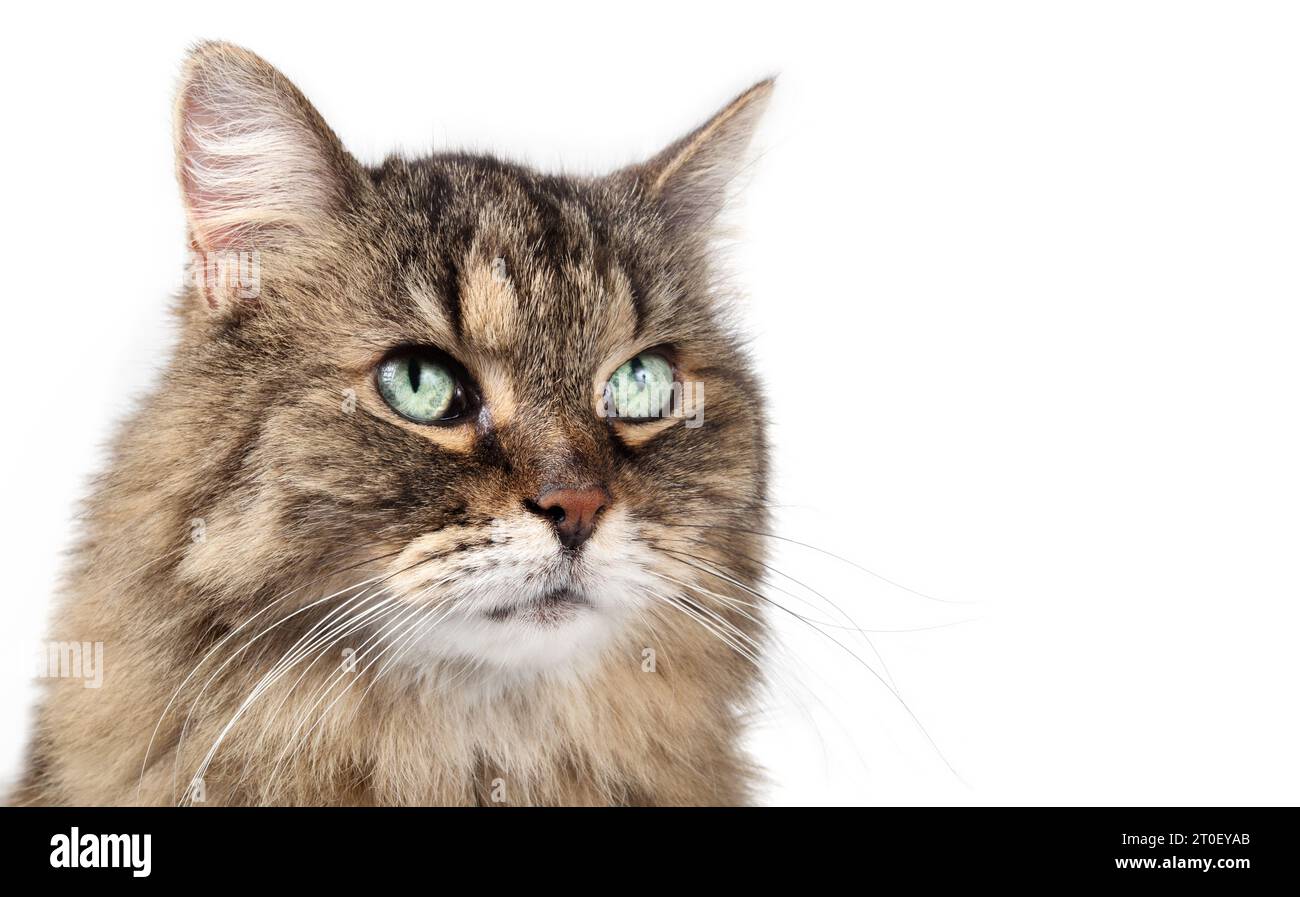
<point x="259" y="169"/>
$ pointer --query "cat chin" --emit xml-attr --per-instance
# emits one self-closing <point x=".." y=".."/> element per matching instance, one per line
<point x="496" y="652"/>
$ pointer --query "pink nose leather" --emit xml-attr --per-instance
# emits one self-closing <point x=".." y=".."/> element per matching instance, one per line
<point x="572" y="512"/>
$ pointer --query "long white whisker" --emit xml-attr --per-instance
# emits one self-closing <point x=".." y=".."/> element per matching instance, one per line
<point x="887" y="678"/>
<point x="277" y="671"/>
<point x="819" y="550"/>
<point x="295" y="741"/>
<point x="704" y="623"/>
<point x="230" y="660"/>
<point x="144" y="763"/>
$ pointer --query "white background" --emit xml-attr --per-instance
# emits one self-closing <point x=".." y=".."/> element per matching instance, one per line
<point x="1022" y="278"/>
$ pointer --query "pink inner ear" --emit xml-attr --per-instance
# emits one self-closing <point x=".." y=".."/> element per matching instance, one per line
<point x="253" y="163"/>
<point x="202" y="174"/>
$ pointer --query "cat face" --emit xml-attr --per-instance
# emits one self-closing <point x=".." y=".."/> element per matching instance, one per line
<point x="512" y="400"/>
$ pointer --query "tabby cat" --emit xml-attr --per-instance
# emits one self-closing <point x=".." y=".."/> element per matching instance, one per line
<point x="450" y="494"/>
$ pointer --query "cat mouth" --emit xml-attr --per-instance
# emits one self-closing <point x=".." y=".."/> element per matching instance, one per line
<point x="551" y="609"/>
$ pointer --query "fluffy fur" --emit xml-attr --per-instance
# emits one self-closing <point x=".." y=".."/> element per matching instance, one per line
<point x="265" y="512"/>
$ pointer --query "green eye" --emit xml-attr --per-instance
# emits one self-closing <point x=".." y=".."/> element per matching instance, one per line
<point x="641" y="389"/>
<point x="420" y="386"/>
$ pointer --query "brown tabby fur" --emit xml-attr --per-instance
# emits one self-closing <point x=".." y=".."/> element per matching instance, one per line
<point x="300" y="499"/>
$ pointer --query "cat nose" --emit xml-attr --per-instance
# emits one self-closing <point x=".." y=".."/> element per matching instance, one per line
<point x="572" y="512"/>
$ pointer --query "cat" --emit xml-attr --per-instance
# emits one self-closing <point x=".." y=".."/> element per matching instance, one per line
<point x="451" y="493"/>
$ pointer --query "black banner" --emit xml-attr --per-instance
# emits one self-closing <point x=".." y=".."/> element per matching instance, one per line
<point x="355" y="846"/>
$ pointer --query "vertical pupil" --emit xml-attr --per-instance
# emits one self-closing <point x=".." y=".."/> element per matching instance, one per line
<point x="413" y="374"/>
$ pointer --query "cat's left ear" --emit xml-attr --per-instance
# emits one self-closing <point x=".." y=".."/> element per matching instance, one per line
<point x="693" y="177"/>
<point x="259" y="169"/>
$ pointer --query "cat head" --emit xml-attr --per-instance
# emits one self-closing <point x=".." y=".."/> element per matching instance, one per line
<point x="512" y="399"/>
